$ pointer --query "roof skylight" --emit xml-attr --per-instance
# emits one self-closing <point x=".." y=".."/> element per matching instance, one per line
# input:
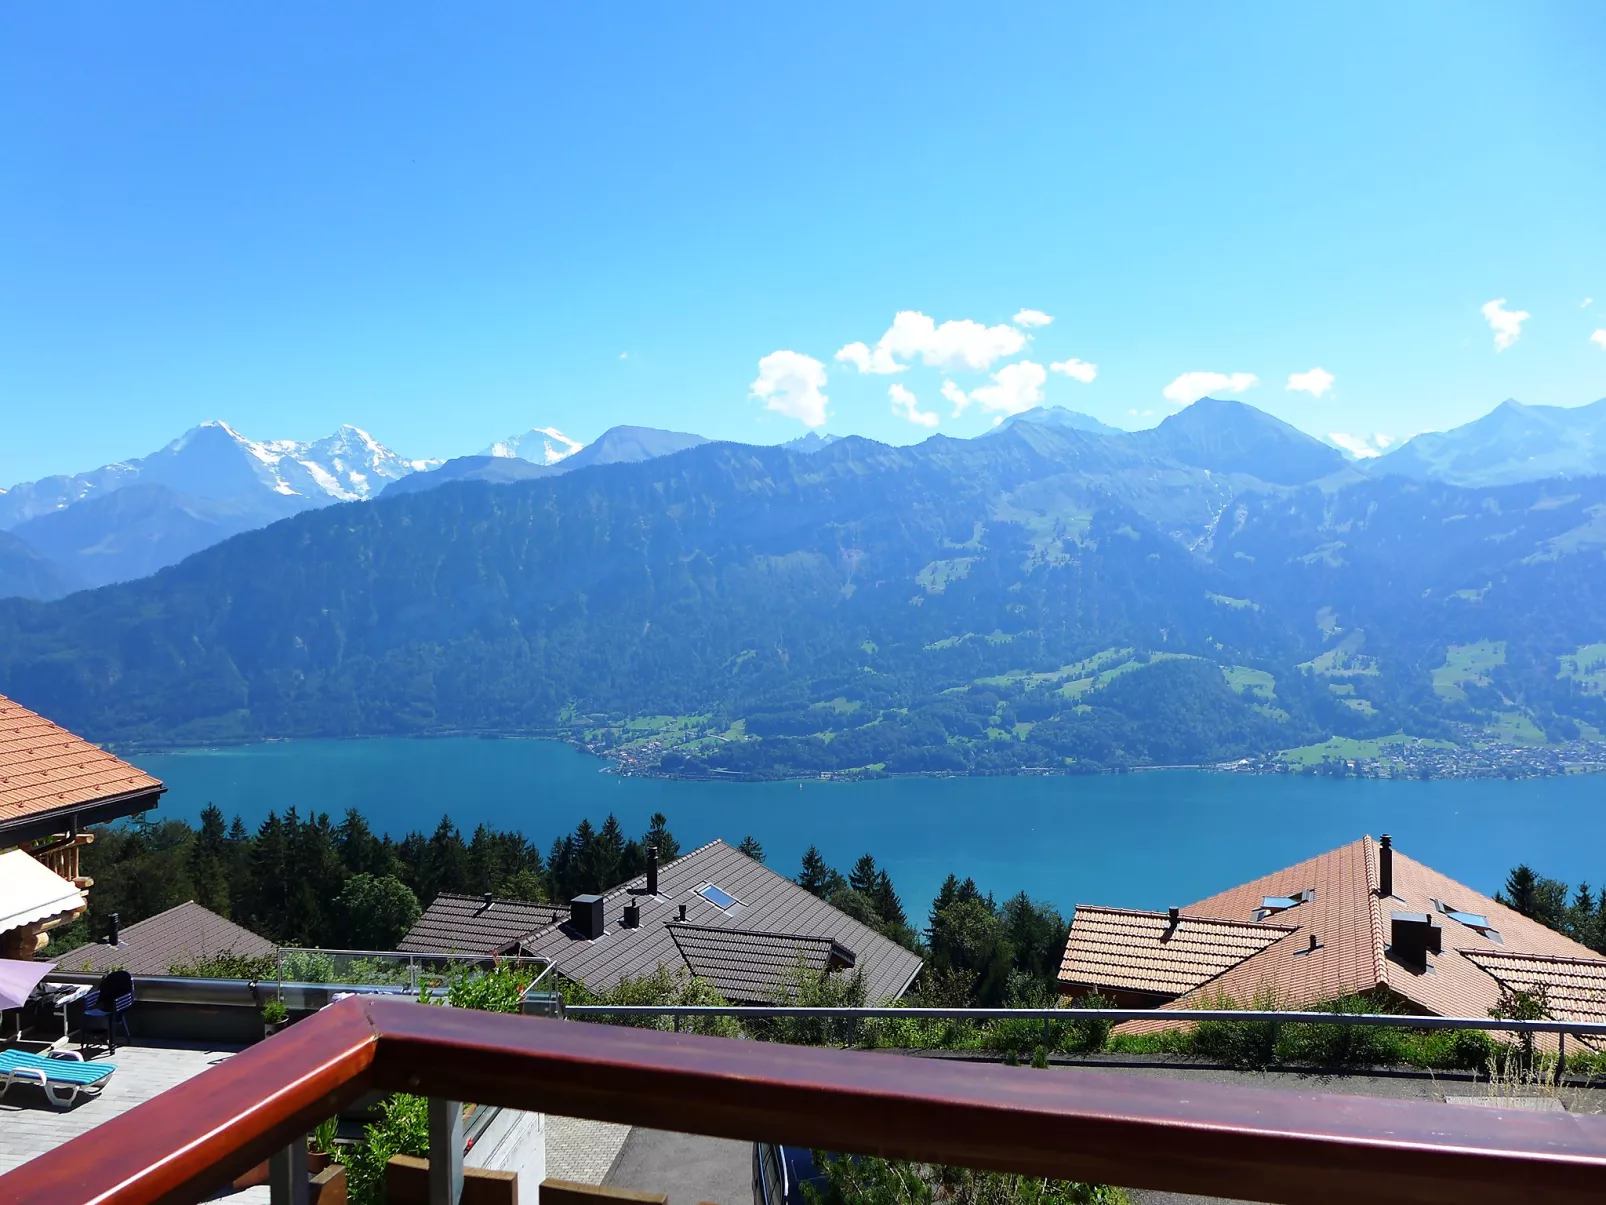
<point x="1271" y="905"/>
<point x="1472" y="920"/>
<point x="717" y="896"/>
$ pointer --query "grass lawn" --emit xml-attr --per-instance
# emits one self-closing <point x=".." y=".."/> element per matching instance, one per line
<point x="1467" y="663"/>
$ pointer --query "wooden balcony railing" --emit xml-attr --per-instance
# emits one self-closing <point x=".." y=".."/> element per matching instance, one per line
<point x="1220" y="1140"/>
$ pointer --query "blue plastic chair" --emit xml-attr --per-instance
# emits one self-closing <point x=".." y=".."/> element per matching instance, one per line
<point x="118" y="988"/>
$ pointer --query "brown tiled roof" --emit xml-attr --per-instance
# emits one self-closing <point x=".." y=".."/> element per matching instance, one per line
<point x="155" y="945"/>
<point x="462" y="924"/>
<point x="752" y="967"/>
<point x="1352" y="929"/>
<point x="766" y="902"/>
<point x="44" y="768"/>
<point x="1116" y="948"/>
<point x="1574" y="987"/>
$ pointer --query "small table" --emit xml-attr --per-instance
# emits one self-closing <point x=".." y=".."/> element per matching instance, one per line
<point x="61" y="997"/>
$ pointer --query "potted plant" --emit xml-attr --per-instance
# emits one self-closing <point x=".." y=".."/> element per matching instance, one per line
<point x="274" y="1016"/>
<point x="321" y="1145"/>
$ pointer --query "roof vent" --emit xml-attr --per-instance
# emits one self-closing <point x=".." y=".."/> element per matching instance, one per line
<point x="1174" y="915"/>
<point x="632" y="915"/>
<point x="683" y="912"/>
<point x="488" y="899"/>
<point x="585" y="916"/>
<point x="1412" y="937"/>
<point x="652" y="870"/>
<point x="1385" y="867"/>
<point x="112" y="932"/>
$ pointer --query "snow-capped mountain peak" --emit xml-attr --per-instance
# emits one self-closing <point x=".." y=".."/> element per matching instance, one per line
<point x="539" y="445"/>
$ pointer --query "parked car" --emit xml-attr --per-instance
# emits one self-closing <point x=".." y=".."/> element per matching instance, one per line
<point x="780" y="1172"/>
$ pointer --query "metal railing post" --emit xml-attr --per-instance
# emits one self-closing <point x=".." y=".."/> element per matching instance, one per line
<point x="287" y="1174"/>
<point x="445" y="1152"/>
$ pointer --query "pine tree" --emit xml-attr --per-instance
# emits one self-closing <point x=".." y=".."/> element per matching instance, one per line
<point x="887" y="902"/>
<point x="659" y="837"/>
<point x="209" y="862"/>
<point x="862" y="878"/>
<point x="1519" y="891"/>
<point x="751" y="848"/>
<point x="815" y="876"/>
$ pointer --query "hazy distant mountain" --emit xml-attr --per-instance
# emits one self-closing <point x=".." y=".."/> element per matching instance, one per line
<point x="539" y="445"/>
<point x="616" y="445"/>
<point x="27" y="573"/>
<point x="215" y="461"/>
<point x="810" y="441"/>
<point x="208" y="484"/>
<point x="1511" y="443"/>
<point x="1232" y="437"/>
<point x="140" y="528"/>
<point x="1059" y="416"/>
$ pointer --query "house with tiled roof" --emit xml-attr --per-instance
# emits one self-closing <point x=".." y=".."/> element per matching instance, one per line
<point x="182" y="935"/>
<point x="1363" y="919"/>
<point x="53" y="785"/>
<point x="714" y="913"/>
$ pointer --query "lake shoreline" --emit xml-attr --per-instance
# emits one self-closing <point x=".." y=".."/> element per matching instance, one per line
<point x="1508" y="762"/>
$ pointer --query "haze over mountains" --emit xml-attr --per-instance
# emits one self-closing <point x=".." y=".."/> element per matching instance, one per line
<point x="130" y="519"/>
<point x="1047" y="596"/>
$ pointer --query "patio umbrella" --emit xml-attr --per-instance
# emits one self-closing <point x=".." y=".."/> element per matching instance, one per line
<point x="19" y="978"/>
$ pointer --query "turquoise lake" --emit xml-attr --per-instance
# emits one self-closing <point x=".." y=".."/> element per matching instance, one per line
<point x="1145" y="840"/>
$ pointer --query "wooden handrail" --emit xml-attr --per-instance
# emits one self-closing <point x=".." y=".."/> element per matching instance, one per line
<point x="1142" y="1132"/>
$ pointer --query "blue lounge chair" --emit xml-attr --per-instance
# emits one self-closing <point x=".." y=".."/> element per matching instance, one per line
<point x="62" y="1075"/>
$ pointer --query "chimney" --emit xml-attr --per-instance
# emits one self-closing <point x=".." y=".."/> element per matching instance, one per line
<point x="632" y="915"/>
<point x="1314" y="944"/>
<point x="683" y="912"/>
<point x="652" y="870"/>
<point x="1174" y="915"/>
<point x="489" y="900"/>
<point x="1412" y="937"/>
<point x="1385" y="867"/>
<point x="112" y="935"/>
<point x="585" y="916"/>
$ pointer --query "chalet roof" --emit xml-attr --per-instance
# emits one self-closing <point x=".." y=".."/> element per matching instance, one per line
<point x="1145" y="952"/>
<point x="1575" y="988"/>
<point x="764" y="903"/>
<point x="46" y="772"/>
<point x="751" y="967"/>
<point x="1338" y="905"/>
<point x="466" y="924"/>
<point x="153" y="946"/>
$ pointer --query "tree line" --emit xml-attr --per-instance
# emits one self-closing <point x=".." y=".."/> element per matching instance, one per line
<point x="313" y="881"/>
<point x="1578" y="913"/>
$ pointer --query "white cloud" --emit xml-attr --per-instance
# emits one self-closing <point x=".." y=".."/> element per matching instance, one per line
<point x="1077" y="370"/>
<point x="955" y="345"/>
<point x="1030" y="318"/>
<point x="1599" y="337"/>
<point x="906" y="406"/>
<point x="1016" y="387"/>
<point x="1586" y="303"/>
<point x="1191" y="386"/>
<point x="1362" y="447"/>
<point x="624" y="355"/>
<point x="1506" y="324"/>
<point x="957" y="396"/>
<point x="1141" y="413"/>
<point x="1315" y="382"/>
<point x="792" y="384"/>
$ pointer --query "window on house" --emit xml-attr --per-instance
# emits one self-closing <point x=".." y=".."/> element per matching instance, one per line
<point x="1472" y="920"/>
<point x="717" y="896"/>
<point x="1271" y="905"/>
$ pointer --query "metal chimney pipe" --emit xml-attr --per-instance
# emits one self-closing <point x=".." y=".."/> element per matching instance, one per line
<point x="683" y="912"/>
<point x="652" y="870"/>
<point x="1385" y="867"/>
<point x="1175" y="915"/>
<point x="114" y="926"/>
<point x="489" y="899"/>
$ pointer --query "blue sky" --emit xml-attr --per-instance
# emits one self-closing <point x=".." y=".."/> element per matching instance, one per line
<point x="449" y="223"/>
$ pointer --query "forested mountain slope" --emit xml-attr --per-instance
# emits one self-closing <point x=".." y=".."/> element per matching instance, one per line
<point x="1043" y="597"/>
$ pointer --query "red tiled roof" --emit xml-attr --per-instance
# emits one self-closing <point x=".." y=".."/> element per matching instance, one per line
<point x="1117" y="948"/>
<point x="45" y="768"/>
<point x="1352" y="930"/>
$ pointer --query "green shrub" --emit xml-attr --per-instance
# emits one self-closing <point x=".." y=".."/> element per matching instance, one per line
<point x="228" y="965"/>
<point x="868" y="1181"/>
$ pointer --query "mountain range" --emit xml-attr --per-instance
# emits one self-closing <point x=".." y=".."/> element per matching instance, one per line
<point x="1046" y="596"/>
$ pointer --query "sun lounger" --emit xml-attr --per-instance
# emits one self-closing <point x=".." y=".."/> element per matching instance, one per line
<point x="62" y="1075"/>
